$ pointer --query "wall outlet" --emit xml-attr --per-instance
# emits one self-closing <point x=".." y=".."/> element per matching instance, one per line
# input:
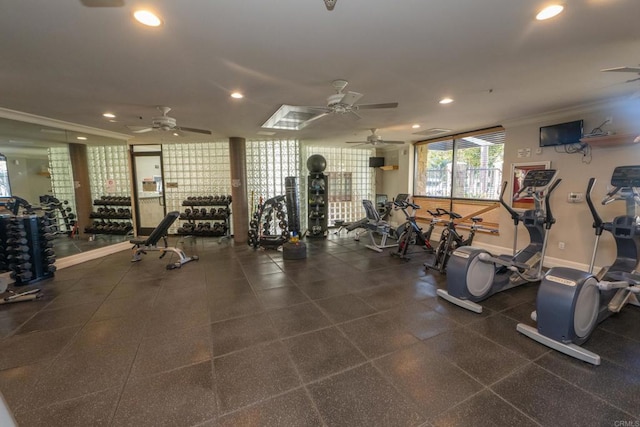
<point x="561" y="245"/>
<point x="575" y="197"/>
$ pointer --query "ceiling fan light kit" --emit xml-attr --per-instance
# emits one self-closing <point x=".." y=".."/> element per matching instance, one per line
<point x="330" y="4"/>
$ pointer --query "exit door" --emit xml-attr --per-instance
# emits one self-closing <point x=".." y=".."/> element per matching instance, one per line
<point x="149" y="194"/>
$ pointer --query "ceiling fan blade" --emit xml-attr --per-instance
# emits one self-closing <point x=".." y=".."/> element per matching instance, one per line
<point x="373" y="106"/>
<point x="632" y="80"/>
<point x="139" y="129"/>
<point x="621" y="70"/>
<point x="351" y="98"/>
<point x="392" y="142"/>
<point x="356" y="142"/>
<point x="102" y="3"/>
<point x="193" y="130"/>
<point x="313" y="119"/>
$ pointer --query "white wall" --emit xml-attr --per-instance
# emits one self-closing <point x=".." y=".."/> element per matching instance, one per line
<point x="574" y="222"/>
<point x="393" y="182"/>
<point x="25" y="179"/>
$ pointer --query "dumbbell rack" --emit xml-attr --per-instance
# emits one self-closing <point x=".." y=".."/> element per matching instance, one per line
<point x="318" y="211"/>
<point x="107" y="215"/>
<point x="28" y="249"/>
<point x="195" y="215"/>
<point x="64" y="215"/>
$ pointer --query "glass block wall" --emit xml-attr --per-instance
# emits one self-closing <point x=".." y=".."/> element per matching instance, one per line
<point x="196" y="169"/>
<point x="61" y="174"/>
<point x="268" y="164"/>
<point x="62" y="179"/>
<point x="341" y="162"/>
<point x="110" y="162"/>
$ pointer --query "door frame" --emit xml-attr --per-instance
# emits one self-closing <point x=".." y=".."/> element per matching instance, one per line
<point x="145" y="231"/>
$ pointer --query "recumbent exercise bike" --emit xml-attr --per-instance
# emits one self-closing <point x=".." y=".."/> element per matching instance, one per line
<point x="474" y="274"/>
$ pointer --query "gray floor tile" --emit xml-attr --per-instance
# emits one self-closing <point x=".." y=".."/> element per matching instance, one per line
<point x="502" y="330"/>
<point x="252" y="375"/>
<point x="170" y="351"/>
<point x="421" y="321"/>
<point x="613" y="383"/>
<point x="104" y="336"/>
<point x="234" y="306"/>
<point x="552" y="401"/>
<point x="432" y="382"/>
<point x="281" y="297"/>
<point x="344" y="308"/>
<point x="165" y="321"/>
<point x="21" y="350"/>
<point x="237" y="334"/>
<point x="298" y="319"/>
<point x="183" y="396"/>
<point x="93" y="409"/>
<point x="270" y="281"/>
<point x="483" y="410"/>
<point x="362" y="397"/>
<point x="17" y="383"/>
<point x="290" y="409"/>
<point x="321" y="353"/>
<point x="324" y="288"/>
<point x="83" y="373"/>
<point x="378" y="334"/>
<point x="616" y="348"/>
<point x="624" y="323"/>
<point x="484" y="360"/>
<point x="82" y="295"/>
<point x="47" y="320"/>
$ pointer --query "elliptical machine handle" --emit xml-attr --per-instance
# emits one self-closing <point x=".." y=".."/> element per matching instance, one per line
<point x="515" y="216"/>
<point x="549" y="220"/>
<point x="597" y="221"/>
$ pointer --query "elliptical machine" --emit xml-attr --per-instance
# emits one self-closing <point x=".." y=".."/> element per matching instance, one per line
<point x="571" y="303"/>
<point x="474" y="274"/>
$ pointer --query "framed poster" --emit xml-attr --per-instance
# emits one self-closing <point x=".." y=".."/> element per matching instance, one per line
<point x="518" y="171"/>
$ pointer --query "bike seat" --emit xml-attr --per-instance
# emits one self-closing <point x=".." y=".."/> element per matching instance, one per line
<point x="476" y="219"/>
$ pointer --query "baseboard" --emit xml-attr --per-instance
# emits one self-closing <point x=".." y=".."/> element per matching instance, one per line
<point x="91" y="255"/>
<point x="548" y="261"/>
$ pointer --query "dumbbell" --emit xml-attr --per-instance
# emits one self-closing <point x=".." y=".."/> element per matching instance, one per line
<point x="21" y="277"/>
<point x="14" y="241"/>
<point x="18" y="258"/>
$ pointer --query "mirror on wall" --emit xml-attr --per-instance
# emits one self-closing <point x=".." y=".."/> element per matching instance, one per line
<point x="38" y="168"/>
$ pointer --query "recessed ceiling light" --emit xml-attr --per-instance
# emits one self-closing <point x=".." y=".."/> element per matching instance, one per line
<point x="81" y="138"/>
<point x="109" y="115"/>
<point x="446" y="101"/>
<point x="549" y="12"/>
<point x="416" y="126"/>
<point x="147" y="18"/>
<point x="176" y="134"/>
<point x="237" y="95"/>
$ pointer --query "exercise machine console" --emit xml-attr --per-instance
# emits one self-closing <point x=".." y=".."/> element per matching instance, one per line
<point x="474" y="274"/>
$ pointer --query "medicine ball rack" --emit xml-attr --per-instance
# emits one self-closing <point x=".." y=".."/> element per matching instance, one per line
<point x="203" y="221"/>
<point x="107" y="214"/>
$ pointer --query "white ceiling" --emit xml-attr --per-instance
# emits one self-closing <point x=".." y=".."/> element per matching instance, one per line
<point x="63" y="60"/>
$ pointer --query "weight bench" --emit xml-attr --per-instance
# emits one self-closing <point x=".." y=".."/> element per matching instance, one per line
<point x="150" y="244"/>
<point x="375" y="224"/>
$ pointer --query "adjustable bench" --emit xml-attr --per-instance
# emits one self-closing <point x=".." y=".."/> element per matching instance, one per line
<point x="375" y="224"/>
<point x="150" y="244"/>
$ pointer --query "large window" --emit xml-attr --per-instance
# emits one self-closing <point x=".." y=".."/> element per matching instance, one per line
<point x="466" y="166"/>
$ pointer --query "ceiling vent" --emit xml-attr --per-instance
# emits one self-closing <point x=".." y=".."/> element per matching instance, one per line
<point x="433" y="132"/>
<point x="291" y="117"/>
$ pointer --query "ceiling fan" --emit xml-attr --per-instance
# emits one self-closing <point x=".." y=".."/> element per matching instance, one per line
<point x="165" y="123"/>
<point x="375" y="139"/>
<point x="624" y="70"/>
<point x="345" y="102"/>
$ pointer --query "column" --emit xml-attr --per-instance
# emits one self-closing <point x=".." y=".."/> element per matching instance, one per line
<point x="240" y="206"/>
<point x="80" y="168"/>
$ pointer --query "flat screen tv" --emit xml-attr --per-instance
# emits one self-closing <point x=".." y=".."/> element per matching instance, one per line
<point x="376" y="162"/>
<point x="561" y="134"/>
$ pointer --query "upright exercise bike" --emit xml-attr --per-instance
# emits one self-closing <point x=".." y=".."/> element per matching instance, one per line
<point x="410" y="232"/>
<point x="474" y="274"/>
<point x="571" y="303"/>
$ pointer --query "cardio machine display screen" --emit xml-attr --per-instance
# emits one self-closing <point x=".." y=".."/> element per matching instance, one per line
<point x="402" y="197"/>
<point x="626" y="176"/>
<point x="538" y="177"/>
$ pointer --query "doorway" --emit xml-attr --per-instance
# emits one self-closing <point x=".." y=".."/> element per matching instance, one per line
<point x="149" y="191"/>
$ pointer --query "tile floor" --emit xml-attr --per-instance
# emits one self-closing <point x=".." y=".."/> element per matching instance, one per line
<point x="346" y="337"/>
